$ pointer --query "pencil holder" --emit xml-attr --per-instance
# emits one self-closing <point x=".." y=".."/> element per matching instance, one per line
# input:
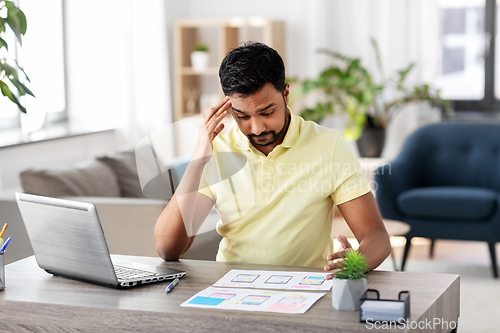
<point x="2" y="271"/>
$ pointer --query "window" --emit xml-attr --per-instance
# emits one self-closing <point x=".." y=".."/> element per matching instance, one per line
<point x="463" y="35"/>
<point x="467" y="69"/>
<point x="42" y="57"/>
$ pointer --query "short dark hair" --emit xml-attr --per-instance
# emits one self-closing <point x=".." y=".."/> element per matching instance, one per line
<point x="248" y="68"/>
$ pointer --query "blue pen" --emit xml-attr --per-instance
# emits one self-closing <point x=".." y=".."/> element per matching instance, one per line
<point x="5" y="245"/>
<point x="171" y="286"/>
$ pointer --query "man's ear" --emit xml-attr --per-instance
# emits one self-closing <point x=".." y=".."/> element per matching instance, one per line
<point x="230" y="111"/>
<point x="286" y="92"/>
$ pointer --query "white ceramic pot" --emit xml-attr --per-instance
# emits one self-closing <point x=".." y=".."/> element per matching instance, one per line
<point x="199" y="60"/>
<point x="346" y="293"/>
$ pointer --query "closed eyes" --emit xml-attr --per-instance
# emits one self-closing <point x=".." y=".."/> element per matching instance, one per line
<point x="262" y="114"/>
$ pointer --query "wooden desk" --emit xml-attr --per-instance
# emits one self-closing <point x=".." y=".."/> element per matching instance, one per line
<point x="35" y="301"/>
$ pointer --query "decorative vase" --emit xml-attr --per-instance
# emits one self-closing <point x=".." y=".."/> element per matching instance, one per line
<point x="346" y="293"/>
<point x="371" y="142"/>
<point x="199" y="60"/>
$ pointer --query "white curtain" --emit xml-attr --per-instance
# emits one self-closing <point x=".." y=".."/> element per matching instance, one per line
<point x="150" y="71"/>
<point x="118" y="71"/>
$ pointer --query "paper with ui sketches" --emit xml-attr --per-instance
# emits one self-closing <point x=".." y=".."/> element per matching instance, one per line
<point x="253" y="300"/>
<point x="275" y="280"/>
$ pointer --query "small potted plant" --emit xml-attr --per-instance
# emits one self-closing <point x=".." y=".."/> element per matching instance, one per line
<point x="199" y="57"/>
<point x="350" y="283"/>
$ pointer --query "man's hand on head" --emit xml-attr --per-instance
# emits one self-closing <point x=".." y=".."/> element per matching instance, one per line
<point x="210" y="128"/>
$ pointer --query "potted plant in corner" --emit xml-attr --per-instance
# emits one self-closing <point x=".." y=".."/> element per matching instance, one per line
<point x="349" y="89"/>
<point x="350" y="283"/>
<point x="199" y="57"/>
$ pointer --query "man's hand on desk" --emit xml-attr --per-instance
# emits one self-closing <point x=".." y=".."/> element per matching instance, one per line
<point x="337" y="256"/>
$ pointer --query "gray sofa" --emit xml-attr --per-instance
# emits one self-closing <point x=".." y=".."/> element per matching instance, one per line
<point x="111" y="183"/>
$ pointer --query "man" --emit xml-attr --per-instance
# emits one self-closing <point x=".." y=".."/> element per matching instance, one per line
<point x="276" y="206"/>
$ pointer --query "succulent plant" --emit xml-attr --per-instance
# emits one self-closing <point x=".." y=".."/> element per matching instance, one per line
<point x="353" y="266"/>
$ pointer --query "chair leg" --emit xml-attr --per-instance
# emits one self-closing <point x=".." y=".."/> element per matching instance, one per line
<point x="405" y="254"/>
<point x="493" y="259"/>
<point x="431" y="253"/>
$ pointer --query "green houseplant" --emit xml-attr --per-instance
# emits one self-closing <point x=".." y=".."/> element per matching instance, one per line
<point x="349" y="283"/>
<point x="200" y="47"/>
<point x="349" y="88"/>
<point x="11" y="74"/>
<point x="199" y="57"/>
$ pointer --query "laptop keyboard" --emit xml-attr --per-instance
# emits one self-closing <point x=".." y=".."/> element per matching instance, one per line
<point x="127" y="273"/>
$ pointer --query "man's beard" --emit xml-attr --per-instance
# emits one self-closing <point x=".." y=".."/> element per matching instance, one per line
<point x="274" y="136"/>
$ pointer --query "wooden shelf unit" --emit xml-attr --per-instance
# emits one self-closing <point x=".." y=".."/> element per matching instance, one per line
<point x="221" y="36"/>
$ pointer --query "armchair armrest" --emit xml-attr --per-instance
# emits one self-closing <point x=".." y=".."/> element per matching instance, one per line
<point x="392" y="179"/>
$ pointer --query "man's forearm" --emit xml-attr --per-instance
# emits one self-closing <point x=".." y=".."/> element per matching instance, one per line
<point x="363" y="217"/>
<point x="376" y="247"/>
<point x="178" y="223"/>
<point x="170" y="232"/>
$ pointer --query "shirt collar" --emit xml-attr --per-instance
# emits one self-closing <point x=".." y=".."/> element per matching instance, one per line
<point x="292" y="134"/>
<point x="289" y="140"/>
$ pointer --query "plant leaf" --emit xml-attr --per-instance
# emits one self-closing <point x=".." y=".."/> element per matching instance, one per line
<point x="354" y="265"/>
<point x="379" y="59"/>
<point x="22" y="89"/>
<point x="19" y="16"/>
<point x="10" y="71"/>
<point x="8" y="93"/>
<point x="16" y="20"/>
<point x="403" y="75"/>
<point x="13" y="25"/>
<point x="3" y="43"/>
<point x="23" y="22"/>
<point x="22" y="70"/>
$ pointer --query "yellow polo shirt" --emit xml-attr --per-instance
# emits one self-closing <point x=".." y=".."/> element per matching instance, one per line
<point x="278" y="209"/>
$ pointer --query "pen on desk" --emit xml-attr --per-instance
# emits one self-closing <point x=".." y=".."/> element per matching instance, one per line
<point x="5" y="245"/>
<point x="171" y="286"/>
<point x="3" y="229"/>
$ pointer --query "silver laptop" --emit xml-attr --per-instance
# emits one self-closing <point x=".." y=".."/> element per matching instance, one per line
<point x="67" y="239"/>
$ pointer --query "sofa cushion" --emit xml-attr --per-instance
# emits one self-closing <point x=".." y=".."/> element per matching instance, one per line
<point x="86" y="178"/>
<point x="125" y="168"/>
<point x="448" y="203"/>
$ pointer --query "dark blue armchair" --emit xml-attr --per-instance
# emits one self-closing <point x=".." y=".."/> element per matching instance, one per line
<point x="445" y="183"/>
